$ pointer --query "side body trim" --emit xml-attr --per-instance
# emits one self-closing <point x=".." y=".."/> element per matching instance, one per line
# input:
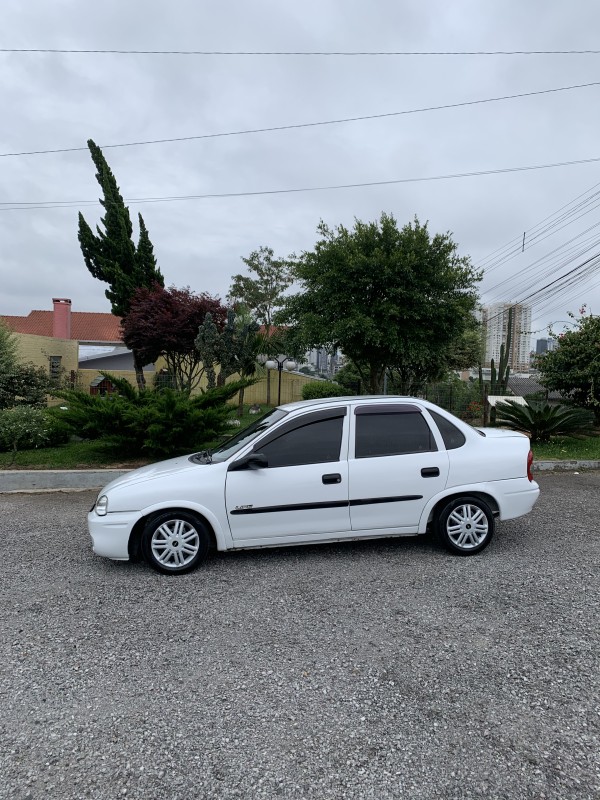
<point x="364" y="501"/>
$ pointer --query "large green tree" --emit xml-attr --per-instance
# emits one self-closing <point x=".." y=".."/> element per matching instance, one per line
<point x="389" y="297"/>
<point x="573" y="369"/>
<point x="111" y="255"/>
<point x="261" y="293"/>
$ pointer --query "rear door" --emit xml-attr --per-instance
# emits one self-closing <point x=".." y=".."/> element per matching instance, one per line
<point x="394" y="466"/>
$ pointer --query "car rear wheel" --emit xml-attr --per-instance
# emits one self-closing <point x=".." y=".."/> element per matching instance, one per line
<point x="465" y="526"/>
<point x="175" y="542"/>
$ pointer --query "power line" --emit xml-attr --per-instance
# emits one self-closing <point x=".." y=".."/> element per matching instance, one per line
<point x="551" y="229"/>
<point x="300" y="52"/>
<point x="22" y="206"/>
<point x="561" y="257"/>
<point x="555" y="287"/>
<point x="506" y="252"/>
<point x="296" y="126"/>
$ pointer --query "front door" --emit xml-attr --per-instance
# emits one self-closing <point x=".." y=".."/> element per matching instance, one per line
<point x="302" y="493"/>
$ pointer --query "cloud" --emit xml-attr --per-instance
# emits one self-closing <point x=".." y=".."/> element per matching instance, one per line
<point x="51" y="101"/>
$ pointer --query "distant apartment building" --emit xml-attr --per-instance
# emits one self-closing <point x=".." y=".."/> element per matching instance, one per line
<point x="495" y="322"/>
<point x="545" y="346"/>
<point x="324" y="362"/>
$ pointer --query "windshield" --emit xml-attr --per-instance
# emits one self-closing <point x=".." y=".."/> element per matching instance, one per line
<point x="241" y="439"/>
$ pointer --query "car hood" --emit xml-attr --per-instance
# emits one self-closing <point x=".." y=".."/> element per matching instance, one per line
<point x="159" y="470"/>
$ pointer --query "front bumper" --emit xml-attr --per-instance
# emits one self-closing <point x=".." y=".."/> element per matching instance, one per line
<point x="110" y="534"/>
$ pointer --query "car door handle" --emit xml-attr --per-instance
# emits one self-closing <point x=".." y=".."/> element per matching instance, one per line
<point x="430" y="472"/>
<point x="333" y="477"/>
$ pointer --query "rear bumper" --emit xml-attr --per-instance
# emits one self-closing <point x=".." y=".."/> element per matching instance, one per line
<point x="110" y="534"/>
<point x="518" y="499"/>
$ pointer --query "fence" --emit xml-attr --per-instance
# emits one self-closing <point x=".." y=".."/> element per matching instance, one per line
<point x="463" y="399"/>
<point x="291" y="384"/>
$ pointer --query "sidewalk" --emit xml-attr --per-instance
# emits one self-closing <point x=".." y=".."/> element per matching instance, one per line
<point x="56" y="480"/>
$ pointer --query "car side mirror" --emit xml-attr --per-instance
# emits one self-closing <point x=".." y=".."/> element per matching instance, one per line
<point x="251" y="461"/>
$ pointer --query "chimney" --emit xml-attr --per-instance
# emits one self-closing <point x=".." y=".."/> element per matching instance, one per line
<point x="61" y="318"/>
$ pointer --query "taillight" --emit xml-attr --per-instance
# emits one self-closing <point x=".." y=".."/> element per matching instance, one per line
<point x="529" y="463"/>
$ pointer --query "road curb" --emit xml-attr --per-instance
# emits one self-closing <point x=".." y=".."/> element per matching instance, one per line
<point x="69" y="480"/>
<point x="54" y="480"/>
<point x="564" y="466"/>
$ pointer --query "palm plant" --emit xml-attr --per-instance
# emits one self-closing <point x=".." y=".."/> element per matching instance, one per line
<point x="541" y="420"/>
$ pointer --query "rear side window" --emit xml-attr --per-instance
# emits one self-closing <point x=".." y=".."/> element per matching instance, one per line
<point x="314" y="443"/>
<point x="451" y="435"/>
<point x="392" y="434"/>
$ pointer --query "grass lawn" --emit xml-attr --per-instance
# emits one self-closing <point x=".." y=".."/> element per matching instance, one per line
<point x="90" y="455"/>
<point x="74" y="455"/>
<point x="567" y="449"/>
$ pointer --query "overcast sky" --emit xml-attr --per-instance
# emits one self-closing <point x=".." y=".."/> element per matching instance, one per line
<point x="52" y="101"/>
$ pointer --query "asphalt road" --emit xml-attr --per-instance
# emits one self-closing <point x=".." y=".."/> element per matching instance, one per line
<point x="377" y="670"/>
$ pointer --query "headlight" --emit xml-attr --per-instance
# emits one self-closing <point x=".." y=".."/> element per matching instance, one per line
<point x="102" y="505"/>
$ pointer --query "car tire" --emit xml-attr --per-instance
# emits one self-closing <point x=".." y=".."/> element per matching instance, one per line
<point x="465" y="525"/>
<point x="175" y="542"/>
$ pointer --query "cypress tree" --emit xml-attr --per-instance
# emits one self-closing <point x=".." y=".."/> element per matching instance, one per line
<point x="111" y="255"/>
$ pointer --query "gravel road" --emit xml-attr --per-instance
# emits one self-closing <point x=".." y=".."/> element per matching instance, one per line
<point x="365" y="670"/>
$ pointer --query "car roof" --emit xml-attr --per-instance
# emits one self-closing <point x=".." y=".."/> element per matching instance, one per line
<point x="354" y="399"/>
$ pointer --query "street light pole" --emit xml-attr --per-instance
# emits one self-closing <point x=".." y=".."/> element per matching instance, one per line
<point x="278" y="364"/>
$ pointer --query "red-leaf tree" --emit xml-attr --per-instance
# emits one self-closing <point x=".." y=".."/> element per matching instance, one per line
<point x="165" y="322"/>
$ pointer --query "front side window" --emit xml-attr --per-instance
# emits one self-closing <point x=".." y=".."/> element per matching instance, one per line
<point x="392" y="434"/>
<point x="244" y="437"/>
<point x="315" y="443"/>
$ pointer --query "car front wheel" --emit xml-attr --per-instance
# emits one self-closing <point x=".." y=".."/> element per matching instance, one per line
<point x="465" y="526"/>
<point x="175" y="542"/>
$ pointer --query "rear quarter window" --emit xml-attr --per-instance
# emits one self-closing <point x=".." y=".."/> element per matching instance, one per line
<point x="452" y="436"/>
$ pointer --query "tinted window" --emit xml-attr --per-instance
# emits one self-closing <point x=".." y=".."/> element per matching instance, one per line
<point x="315" y="443"/>
<point x="392" y="434"/>
<point x="451" y="435"/>
<point x="235" y="443"/>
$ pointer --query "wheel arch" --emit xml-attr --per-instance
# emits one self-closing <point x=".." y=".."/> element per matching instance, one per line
<point x="438" y="503"/>
<point x="135" y="537"/>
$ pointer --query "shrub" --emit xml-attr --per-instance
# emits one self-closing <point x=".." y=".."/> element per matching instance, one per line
<point x="58" y="430"/>
<point x="157" y="423"/>
<point x="474" y="410"/>
<point x="349" y="378"/>
<point x="24" y="427"/>
<point x="317" y="389"/>
<point x="24" y="384"/>
<point x="541" y="420"/>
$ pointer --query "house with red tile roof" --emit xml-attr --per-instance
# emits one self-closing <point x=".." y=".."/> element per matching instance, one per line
<point x="85" y="327"/>
<point x="56" y="340"/>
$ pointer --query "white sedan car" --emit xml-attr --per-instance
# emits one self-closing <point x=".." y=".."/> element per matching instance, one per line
<point x="321" y="471"/>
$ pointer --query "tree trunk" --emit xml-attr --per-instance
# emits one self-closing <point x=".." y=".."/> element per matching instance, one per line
<point x="139" y="373"/>
<point x="240" y="411"/>
<point x="376" y="374"/>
